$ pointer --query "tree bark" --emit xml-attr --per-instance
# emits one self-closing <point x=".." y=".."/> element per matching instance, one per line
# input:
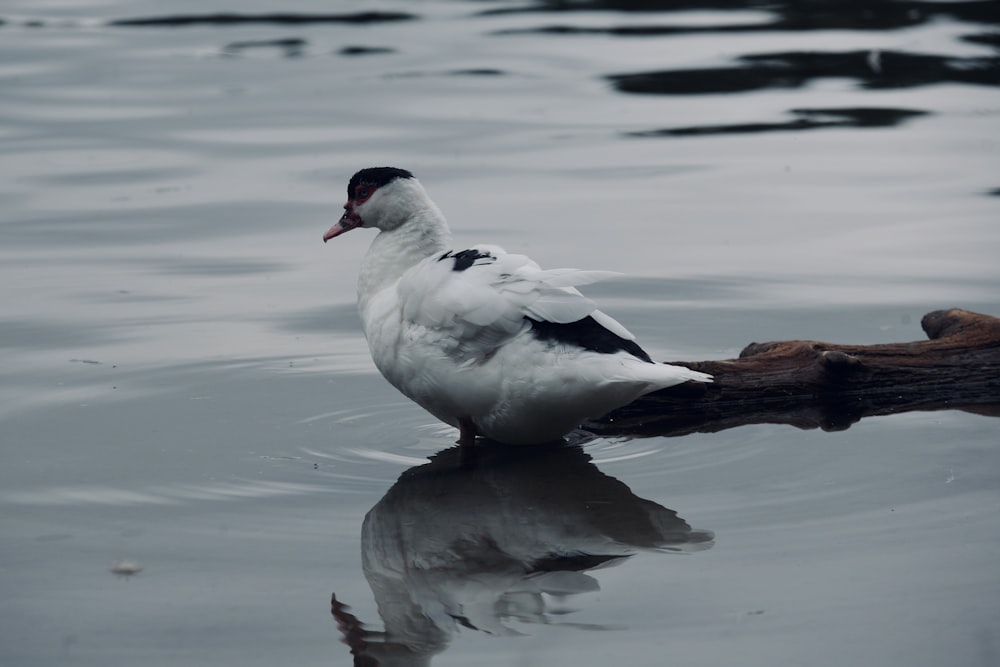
<point x="810" y="384"/>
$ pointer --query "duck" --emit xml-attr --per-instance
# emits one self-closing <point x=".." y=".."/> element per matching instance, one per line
<point x="485" y="340"/>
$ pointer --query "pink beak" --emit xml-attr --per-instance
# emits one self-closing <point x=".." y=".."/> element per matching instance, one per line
<point x="347" y="222"/>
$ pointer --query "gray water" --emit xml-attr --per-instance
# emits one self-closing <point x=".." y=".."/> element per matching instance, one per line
<point x="192" y="431"/>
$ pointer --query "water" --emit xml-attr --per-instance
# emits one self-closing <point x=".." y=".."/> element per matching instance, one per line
<point x="185" y="387"/>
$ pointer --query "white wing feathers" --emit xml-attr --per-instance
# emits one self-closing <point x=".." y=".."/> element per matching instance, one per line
<point x="485" y="301"/>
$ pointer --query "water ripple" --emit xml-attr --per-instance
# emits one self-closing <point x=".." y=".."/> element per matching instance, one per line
<point x="60" y="496"/>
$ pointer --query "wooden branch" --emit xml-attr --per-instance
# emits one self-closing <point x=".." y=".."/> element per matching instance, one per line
<point x="809" y="384"/>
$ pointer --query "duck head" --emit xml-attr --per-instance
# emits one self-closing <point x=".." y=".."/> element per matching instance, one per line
<point x="380" y="197"/>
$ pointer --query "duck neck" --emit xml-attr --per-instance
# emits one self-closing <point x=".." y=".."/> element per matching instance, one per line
<point x="395" y="251"/>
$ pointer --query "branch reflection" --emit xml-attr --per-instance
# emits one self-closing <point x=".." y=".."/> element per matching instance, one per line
<point x="487" y="537"/>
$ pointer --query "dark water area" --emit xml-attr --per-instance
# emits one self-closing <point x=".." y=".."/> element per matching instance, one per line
<point x="201" y="465"/>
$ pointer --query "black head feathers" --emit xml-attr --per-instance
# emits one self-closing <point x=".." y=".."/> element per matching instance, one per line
<point x="376" y="177"/>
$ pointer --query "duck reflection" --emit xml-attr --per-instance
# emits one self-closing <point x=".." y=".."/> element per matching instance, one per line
<point x="485" y="536"/>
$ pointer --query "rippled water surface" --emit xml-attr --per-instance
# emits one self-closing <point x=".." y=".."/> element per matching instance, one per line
<point x="198" y="454"/>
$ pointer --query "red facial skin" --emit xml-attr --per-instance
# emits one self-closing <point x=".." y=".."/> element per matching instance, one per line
<point x="350" y="219"/>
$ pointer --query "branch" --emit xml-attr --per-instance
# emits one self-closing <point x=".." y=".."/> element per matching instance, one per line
<point x="809" y="384"/>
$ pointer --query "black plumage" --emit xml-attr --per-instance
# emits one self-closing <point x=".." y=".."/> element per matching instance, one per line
<point x="587" y="333"/>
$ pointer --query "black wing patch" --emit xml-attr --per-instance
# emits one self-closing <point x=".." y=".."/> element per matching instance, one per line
<point x="465" y="258"/>
<point x="588" y="334"/>
<point x="578" y="562"/>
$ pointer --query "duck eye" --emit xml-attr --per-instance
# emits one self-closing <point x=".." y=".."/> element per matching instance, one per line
<point x="362" y="192"/>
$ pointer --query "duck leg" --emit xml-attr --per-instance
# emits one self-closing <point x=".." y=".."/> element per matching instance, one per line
<point x="466" y="432"/>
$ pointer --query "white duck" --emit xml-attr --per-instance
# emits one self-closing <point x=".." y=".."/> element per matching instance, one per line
<point x="485" y="340"/>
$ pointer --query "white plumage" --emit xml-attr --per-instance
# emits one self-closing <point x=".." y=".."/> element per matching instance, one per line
<point x="485" y="340"/>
